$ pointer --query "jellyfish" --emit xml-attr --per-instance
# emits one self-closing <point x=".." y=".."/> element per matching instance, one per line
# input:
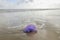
<point x="30" y="29"/>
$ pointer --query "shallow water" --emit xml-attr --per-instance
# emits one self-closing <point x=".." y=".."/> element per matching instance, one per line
<point x="11" y="25"/>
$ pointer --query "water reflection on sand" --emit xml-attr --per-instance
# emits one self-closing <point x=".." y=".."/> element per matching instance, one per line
<point x="49" y="32"/>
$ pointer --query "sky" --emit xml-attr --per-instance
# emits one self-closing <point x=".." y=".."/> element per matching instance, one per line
<point x="29" y="4"/>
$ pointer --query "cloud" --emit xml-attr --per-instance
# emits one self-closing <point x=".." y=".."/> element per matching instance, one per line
<point x="23" y="4"/>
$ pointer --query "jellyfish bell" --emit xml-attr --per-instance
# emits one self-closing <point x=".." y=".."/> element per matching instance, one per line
<point x="30" y="29"/>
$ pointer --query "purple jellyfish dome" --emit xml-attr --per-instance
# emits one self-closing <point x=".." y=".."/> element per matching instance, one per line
<point x="30" y="28"/>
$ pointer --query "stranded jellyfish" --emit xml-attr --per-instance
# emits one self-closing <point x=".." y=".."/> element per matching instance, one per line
<point x="30" y="29"/>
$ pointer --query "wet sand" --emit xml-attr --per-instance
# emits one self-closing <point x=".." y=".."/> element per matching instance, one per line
<point x="43" y="34"/>
<point x="49" y="32"/>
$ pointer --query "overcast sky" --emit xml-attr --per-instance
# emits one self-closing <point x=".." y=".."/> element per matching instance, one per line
<point x="23" y="4"/>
